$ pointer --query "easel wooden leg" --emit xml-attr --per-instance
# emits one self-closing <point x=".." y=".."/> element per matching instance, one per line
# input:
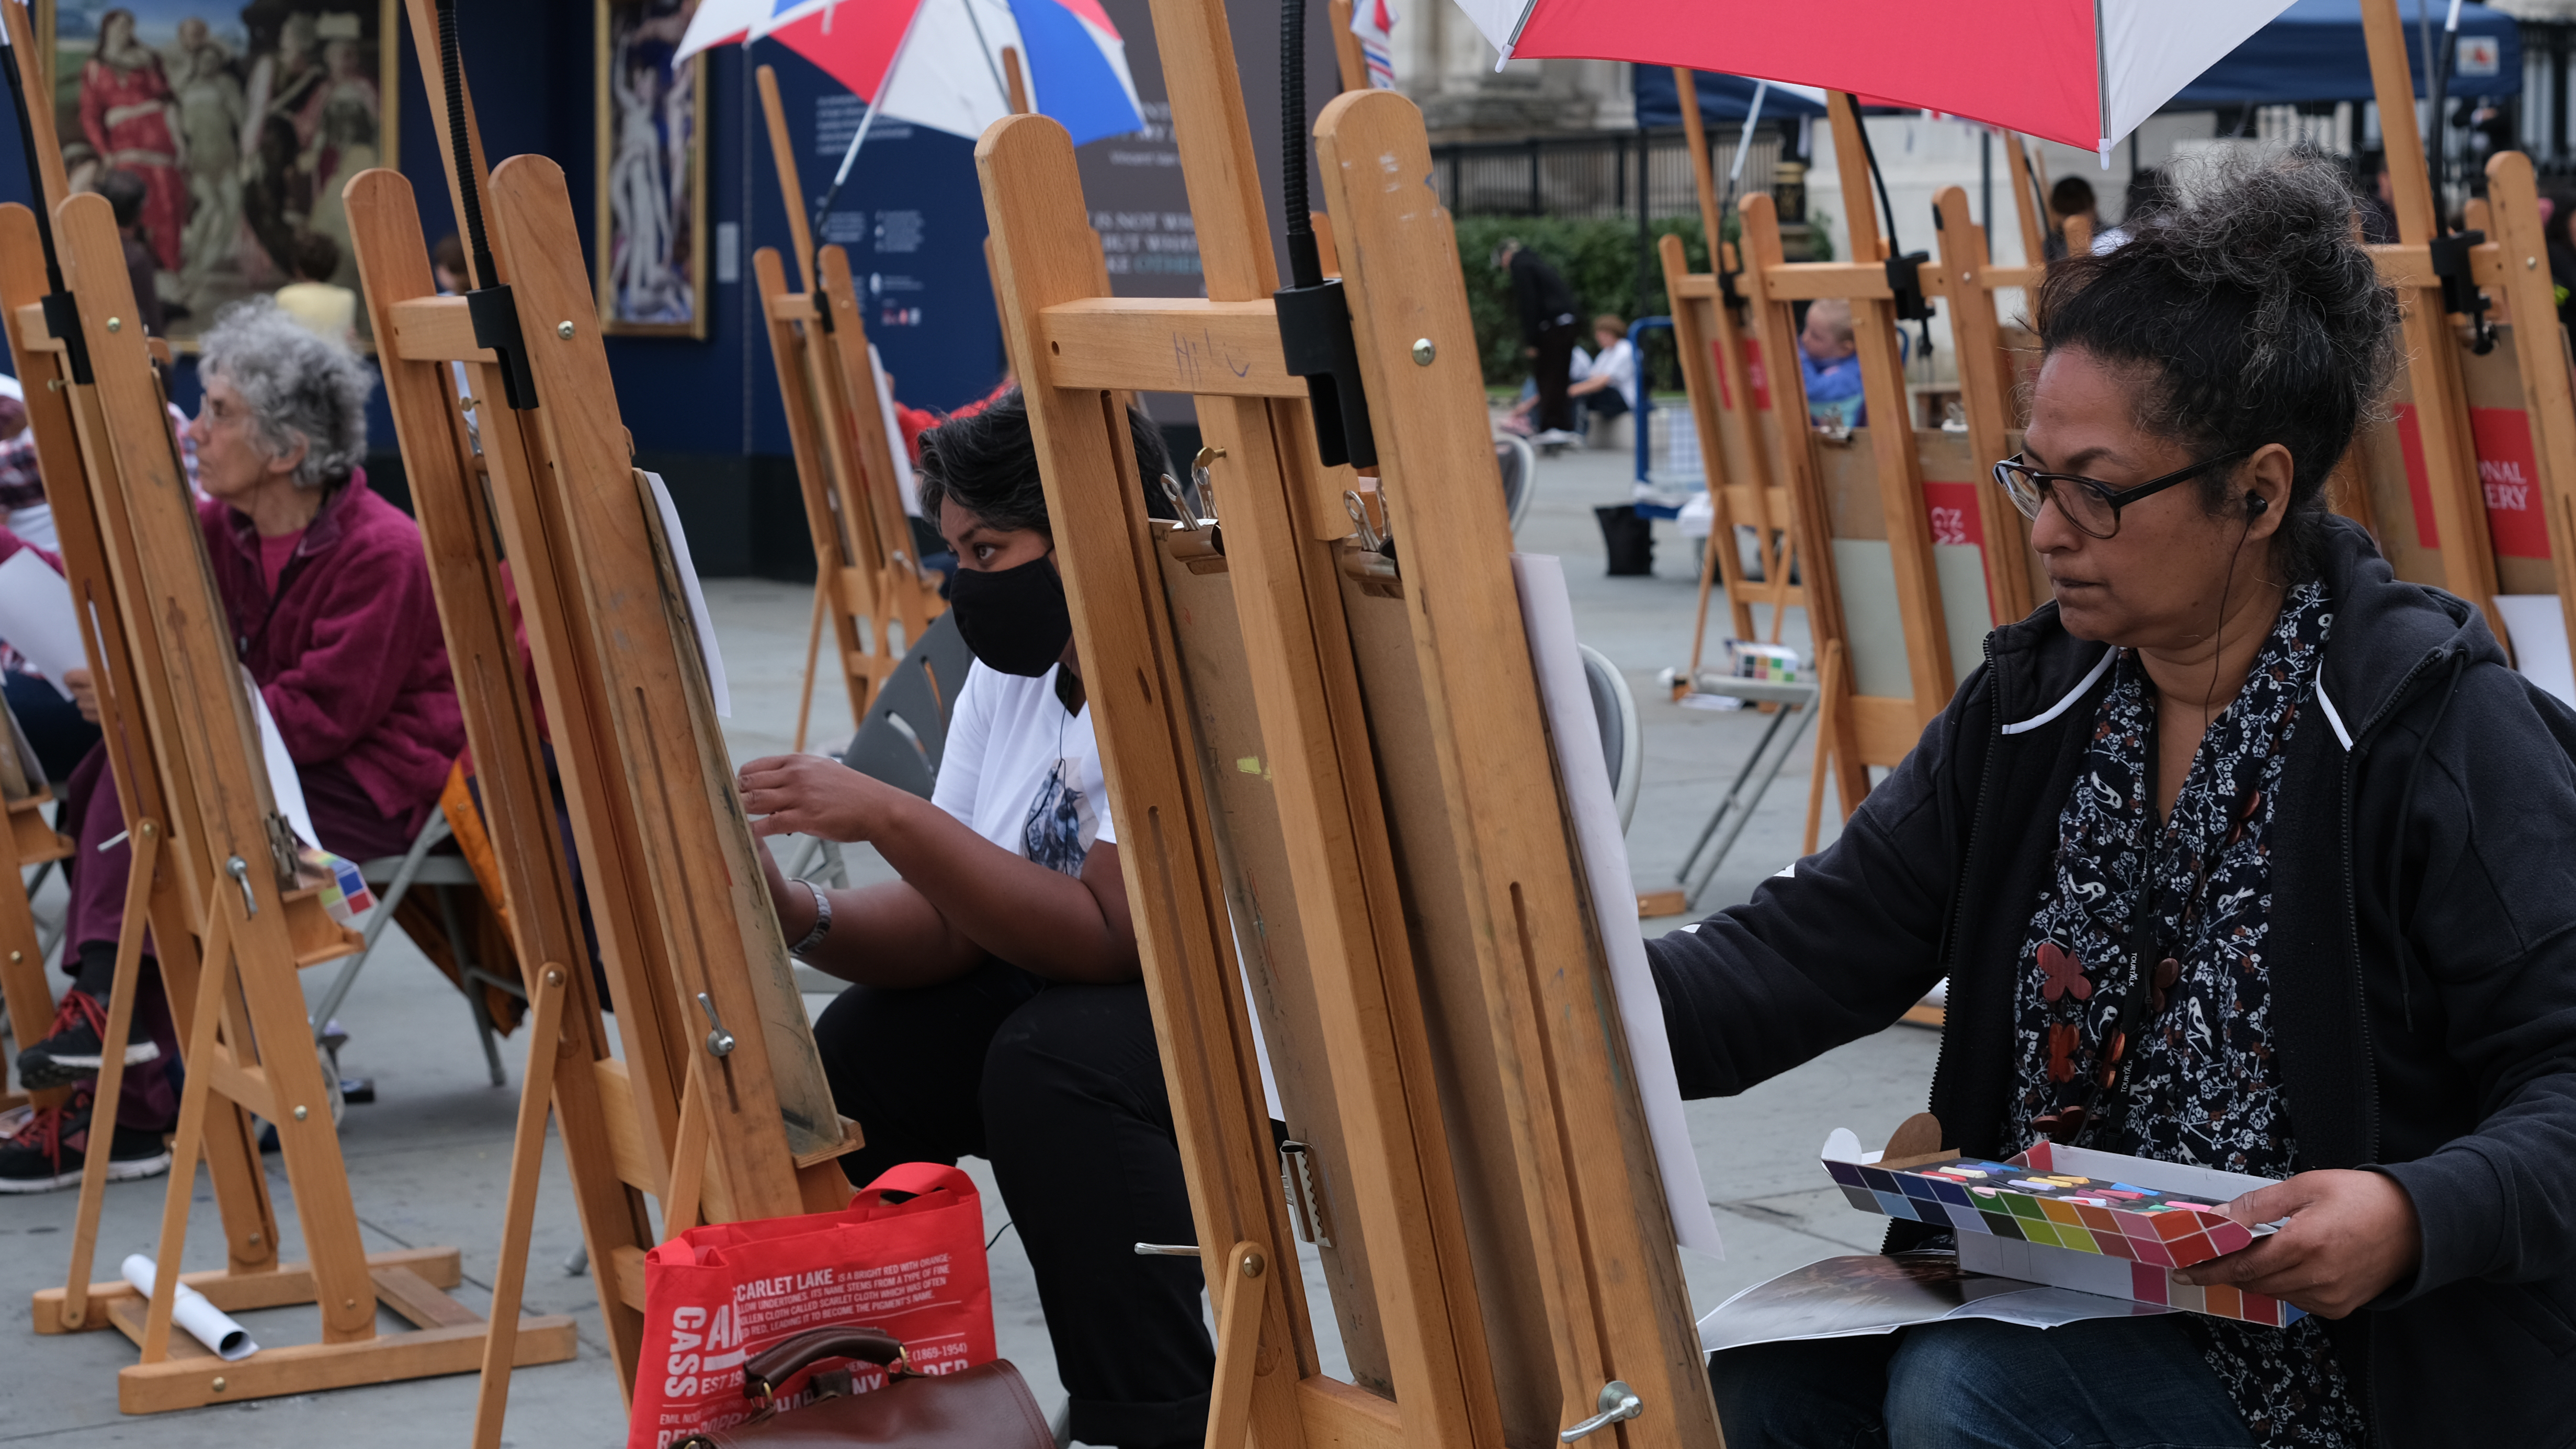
<point x="1780" y="558"/>
<point x="1238" y="1341"/>
<point x="214" y="970"/>
<point x="527" y="1159"/>
<point x="111" y="1072"/>
<point x="681" y="1204"/>
<point x="813" y="653"/>
<point x="22" y="969"/>
<point x="1829" y="684"/>
<point x="1699" y="621"/>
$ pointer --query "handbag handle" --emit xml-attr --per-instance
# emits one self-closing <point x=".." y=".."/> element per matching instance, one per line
<point x="767" y="1370"/>
<point x="914" y="1179"/>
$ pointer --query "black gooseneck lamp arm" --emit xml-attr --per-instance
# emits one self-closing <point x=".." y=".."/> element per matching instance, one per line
<point x="1904" y="268"/>
<point x="62" y="314"/>
<point x="2450" y="248"/>
<point x="1314" y="317"/>
<point x="495" y="316"/>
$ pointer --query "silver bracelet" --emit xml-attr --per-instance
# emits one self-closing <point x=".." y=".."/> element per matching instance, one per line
<point x="822" y="921"/>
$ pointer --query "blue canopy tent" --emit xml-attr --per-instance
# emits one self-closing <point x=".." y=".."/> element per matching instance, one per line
<point x="1721" y="98"/>
<point x="2314" y="52"/>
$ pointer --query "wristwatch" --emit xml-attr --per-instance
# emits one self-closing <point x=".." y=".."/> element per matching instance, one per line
<point x="822" y="921"/>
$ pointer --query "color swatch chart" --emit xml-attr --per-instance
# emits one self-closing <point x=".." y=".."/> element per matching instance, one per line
<point x="2156" y="1231"/>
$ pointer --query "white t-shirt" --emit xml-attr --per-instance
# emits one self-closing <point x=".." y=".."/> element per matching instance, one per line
<point x="1619" y="360"/>
<point x="1023" y="774"/>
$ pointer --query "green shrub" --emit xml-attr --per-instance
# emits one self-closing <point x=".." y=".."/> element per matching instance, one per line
<point x="1600" y="259"/>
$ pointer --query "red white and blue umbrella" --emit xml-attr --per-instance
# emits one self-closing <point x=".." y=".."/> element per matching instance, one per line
<point x="2084" y="72"/>
<point x="937" y="63"/>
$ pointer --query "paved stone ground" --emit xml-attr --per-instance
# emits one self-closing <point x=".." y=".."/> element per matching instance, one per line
<point x="428" y="1160"/>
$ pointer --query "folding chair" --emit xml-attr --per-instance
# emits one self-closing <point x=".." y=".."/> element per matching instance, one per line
<point x="392" y="877"/>
<point x="1519" y="464"/>
<point x="1623" y="744"/>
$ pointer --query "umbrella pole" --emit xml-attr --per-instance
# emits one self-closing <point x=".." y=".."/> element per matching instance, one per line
<point x="868" y="117"/>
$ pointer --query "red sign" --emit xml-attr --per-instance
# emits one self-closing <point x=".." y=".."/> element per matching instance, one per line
<point x="2508" y="471"/>
<point x="1753" y="373"/>
<point x="1955" y="517"/>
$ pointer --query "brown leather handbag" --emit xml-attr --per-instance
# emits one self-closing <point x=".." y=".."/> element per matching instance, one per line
<point x="984" y="1407"/>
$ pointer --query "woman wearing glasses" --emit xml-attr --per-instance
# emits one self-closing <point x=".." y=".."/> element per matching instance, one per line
<point x="2239" y="853"/>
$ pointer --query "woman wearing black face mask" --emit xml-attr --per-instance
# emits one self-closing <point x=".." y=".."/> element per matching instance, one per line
<point x="998" y="1010"/>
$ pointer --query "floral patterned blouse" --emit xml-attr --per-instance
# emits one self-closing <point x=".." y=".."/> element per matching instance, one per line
<point x="2203" y="1083"/>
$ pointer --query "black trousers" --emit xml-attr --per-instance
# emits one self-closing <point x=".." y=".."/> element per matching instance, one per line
<point x="1061" y="1089"/>
<point x="1552" y="369"/>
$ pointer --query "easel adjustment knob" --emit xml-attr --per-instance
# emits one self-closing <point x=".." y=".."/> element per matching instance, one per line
<point x="1617" y="1402"/>
<point x="719" y="1040"/>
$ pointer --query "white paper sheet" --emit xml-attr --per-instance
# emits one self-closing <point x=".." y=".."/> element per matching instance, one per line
<point x="1547" y="612"/>
<point x="2539" y="629"/>
<point x="285" y="786"/>
<point x="905" y="485"/>
<point x="1880" y="1293"/>
<point x="36" y="616"/>
<point x="697" y="598"/>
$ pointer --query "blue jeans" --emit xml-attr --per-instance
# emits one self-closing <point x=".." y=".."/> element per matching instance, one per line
<point x="2113" y="1383"/>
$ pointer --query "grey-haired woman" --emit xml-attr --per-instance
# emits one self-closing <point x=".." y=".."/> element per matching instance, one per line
<point x="2240" y="853"/>
<point x="327" y="592"/>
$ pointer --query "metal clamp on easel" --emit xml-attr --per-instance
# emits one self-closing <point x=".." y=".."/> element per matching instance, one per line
<point x="1314" y="318"/>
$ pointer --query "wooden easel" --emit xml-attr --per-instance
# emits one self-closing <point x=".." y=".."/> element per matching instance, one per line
<point x="694" y="963"/>
<point x="1741" y="461"/>
<point x="1857" y="729"/>
<point x="255" y="922"/>
<point x="2445" y="380"/>
<point x="867" y="577"/>
<point x="25" y="840"/>
<point x="1512" y="1282"/>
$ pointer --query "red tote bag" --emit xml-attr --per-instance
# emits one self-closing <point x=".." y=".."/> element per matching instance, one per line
<point x="717" y="1295"/>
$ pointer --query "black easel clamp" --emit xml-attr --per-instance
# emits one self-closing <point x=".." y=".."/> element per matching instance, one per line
<point x="2460" y="294"/>
<point x="496" y="326"/>
<point x="1316" y="343"/>
<point x="1905" y="282"/>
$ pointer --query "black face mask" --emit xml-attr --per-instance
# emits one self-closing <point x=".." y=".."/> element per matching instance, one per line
<point x="1014" y="619"/>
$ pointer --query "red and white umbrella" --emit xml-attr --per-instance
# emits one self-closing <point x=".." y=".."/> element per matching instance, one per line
<point x="2084" y="72"/>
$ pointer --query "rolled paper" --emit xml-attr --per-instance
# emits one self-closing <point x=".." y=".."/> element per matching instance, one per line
<point x="205" y="1323"/>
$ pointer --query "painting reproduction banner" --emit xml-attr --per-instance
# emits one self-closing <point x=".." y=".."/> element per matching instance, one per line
<point x="223" y="134"/>
<point x="652" y="274"/>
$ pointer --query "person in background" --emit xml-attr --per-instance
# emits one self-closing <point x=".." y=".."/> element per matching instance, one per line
<point x="327" y="589"/>
<point x="2557" y="212"/>
<point x="326" y="309"/>
<point x="2070" y="198"/>
<point x="1608" y="386"/>
<point x="998" y="1009"/>
<point x="1829" y="359"/>
<point x="2378" y="199"/>
<point x="1546" y="306"/>
<point x="447" y="265"/>
<point x="126" y="195"/>
<point x="53" y="723"/>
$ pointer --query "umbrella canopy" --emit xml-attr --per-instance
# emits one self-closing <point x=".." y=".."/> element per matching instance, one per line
<point x="2314" y="52"/>
<point x="1721" y="98"/>
<point x="2084" y="72"/>
<point x="937" y="63"/>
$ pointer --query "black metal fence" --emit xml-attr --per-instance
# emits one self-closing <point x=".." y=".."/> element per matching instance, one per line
<point x="1605" y="174"/>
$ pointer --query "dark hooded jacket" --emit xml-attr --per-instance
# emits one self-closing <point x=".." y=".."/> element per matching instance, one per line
<point x="2429" y="798"/>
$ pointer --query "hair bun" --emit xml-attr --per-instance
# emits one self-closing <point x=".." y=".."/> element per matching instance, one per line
<point x="2250" y="311"/>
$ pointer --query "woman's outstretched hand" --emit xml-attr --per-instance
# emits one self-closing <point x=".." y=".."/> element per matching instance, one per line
<point x="813" y="795"/>
<point x="2351" y="1236"/>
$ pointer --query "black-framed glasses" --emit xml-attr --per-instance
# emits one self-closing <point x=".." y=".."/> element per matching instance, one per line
<point x="2088" y="503"/>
